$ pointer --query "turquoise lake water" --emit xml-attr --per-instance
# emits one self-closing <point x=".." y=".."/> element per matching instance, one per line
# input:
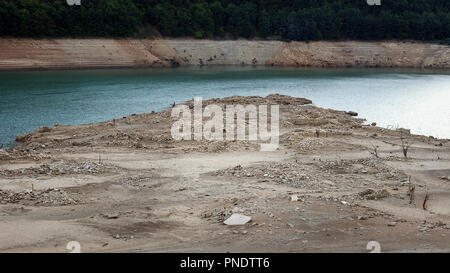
<point x="419" y="100"/>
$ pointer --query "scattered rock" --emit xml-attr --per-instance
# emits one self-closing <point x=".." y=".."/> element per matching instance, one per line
<point x="124" y="238"/>
<point x="294" y="198"/>
<point x="392" y="224"/>
<point x="351" y="113"/>
<point x="49" y="197"/>
<point x="44" y="129"/>
<point x="112" y="216"/>
<point x="23" y="138"/>
<point x="371" y="194"/>
<point x="61" y="168"/>
<point x="237" y="219"/>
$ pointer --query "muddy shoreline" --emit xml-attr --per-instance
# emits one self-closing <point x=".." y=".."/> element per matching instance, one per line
<point x="333" y="185"/>
<point x="51" y="54"/>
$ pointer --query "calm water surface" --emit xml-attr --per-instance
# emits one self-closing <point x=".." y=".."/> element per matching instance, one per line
<point x="419" y="100"/>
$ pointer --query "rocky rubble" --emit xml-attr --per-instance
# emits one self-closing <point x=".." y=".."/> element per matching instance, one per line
<point x="220" y="214"/>
<point x="371" y="194"/>
<point x="429" y="226"/>
<point x="61" y="168"/>
<point x="272" y="99"/>
<point x="221" y="146"/>
<point x="18" y="154"/>
<point x="343" y="175"/>
<point x="4" y="155"/>
<point x="374" y="166"/>
<point x="152" y="130"/>
<point x="49" y="197"/>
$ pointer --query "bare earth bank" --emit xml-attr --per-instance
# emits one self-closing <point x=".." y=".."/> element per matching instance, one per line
<point x="16" y="54"/>
<point x="125" y="185"/>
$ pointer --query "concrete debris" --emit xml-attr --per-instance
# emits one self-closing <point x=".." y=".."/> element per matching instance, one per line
<point x="237" y="219"/>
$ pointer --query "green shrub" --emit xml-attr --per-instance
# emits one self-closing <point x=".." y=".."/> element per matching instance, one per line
<point x="198" y="35"/>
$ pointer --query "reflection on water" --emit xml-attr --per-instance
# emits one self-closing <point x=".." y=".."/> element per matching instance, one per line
<point x="419" y="100"/>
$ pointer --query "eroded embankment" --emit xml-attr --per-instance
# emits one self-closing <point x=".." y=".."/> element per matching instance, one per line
<point x="98" y="53"/>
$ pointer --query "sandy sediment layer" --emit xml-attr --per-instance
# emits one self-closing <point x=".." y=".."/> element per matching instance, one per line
<point x="18" y="54"/>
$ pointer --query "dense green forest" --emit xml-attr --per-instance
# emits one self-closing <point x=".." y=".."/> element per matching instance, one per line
<point x="287" y="20"/>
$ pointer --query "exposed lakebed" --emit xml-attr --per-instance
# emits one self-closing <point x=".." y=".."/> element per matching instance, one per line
<point x="413" y="99"/>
